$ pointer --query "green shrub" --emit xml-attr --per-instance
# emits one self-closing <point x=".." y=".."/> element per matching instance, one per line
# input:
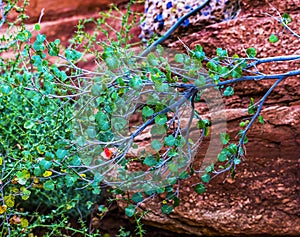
<point x="66" y="132"/>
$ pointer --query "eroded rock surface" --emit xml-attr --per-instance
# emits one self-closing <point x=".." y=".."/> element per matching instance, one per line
<point x="264" y="197"/>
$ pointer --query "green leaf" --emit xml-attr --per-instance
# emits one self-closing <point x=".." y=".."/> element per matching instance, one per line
<point x="147" y="111"/>
<point x="41" y="38"/>
<point x="152" y="60"/>
<point x="37" y="27"/>
<point x="200" y="188"/>
<point x="169" y="140"/>
<point x="212" y="66"/>
<point x="169" y="77"/>
<point x="98" y="178"/>
<point x="236" y="161"/>
<point x="236" y="73"/>
<point x="29" y="124"/>
<point x="166" y="209"/>
<point x="87" y="160"/>
<point x="156" y="145"/>
<point x="112" y="62"/>
<point x="135" y="83"/>
<point x="72" y="54"/>
<point x="210" y="168"/>
<point x="261" y="119"/>
<point x="137" y="197"/>
<point x="159" y="49"/>
<point x="102" y="209"/>
<point x="160" y="119"/>
<point x="224" y="72"/>
<point x="225" y="138"/>
<point x="205" y="178"/>
<point x="81" y="141"/>
<point x="251" y="52"/>
<point x="118" y="123"/>
<point x="62" y="75"/>
<point x="158" y="129"/>
<point x="135" y="146"/>
<point x="61" y="153"/>
<point x="108" y="51"/>
<point x="45" y="164"/>
<point x="23" y="176"/>
<point x="228" y="91"/>
<point x="179" y="58"/>
<point x="24" y="35"/>
<point x="49" y="156"/>
<point x="252" y="109"/>
<point x="273" y="38"/>
<point x="25" y="193"/>
<point x="150" y="161"/>
<point x="38" y="46"/>
<point x="37" y="60"/>
<point x="222" y="52"/>
<point x="70" y="179"/>
<point x="37" y="171"/>
<point x="148" y="189"/>
<point x="161" y="87"/>
<point x="201" y="81"/>
<point x="41" y="149"/>
<point x="203" y="123"/>
<point x="180" y="141"/>
<point x="49" y="185"/>
<point x="172" y="153"/>
<point x="171" y="181"/>
<point x="96" y="190"/>
<point x="198" y="53"/>
<point x="91" y="132"/>
<point x="96" y="89"/>
<point x="5" y="89"/>
<point x="9" y="200"/>
<point x="286" y="18"/>
<point x="75" y="160"/>
<point x="222" y="156"/>
<point x="176" y="201"/>
<point x="173" y="167"/>
<point x="184" y="175"/>
<point x="102" y="121"/>
<point x="245" y="140"/>
<point x="243" y="124"/>
<point x="130" y="210"/>
<point x="232" y="148"/>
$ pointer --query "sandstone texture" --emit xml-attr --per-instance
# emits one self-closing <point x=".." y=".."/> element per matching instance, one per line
<point x="55" y="9"/>
<point x="59" y="19"/>
<point x="264" y="197"/>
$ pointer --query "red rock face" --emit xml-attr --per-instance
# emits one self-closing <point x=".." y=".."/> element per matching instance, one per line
<point x="252" y="29"/>
<point x="55" y="9"/>
<point x="264" y="197"/>
<point x="60" y="18"/>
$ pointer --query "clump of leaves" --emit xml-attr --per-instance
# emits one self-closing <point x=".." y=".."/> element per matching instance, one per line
<point x="65" y="131"/>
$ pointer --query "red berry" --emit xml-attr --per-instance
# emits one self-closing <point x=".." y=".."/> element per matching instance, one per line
<point x="107" y="152"/>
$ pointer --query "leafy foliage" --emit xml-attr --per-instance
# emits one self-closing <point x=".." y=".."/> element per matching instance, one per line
<point x="66" y="132"/>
